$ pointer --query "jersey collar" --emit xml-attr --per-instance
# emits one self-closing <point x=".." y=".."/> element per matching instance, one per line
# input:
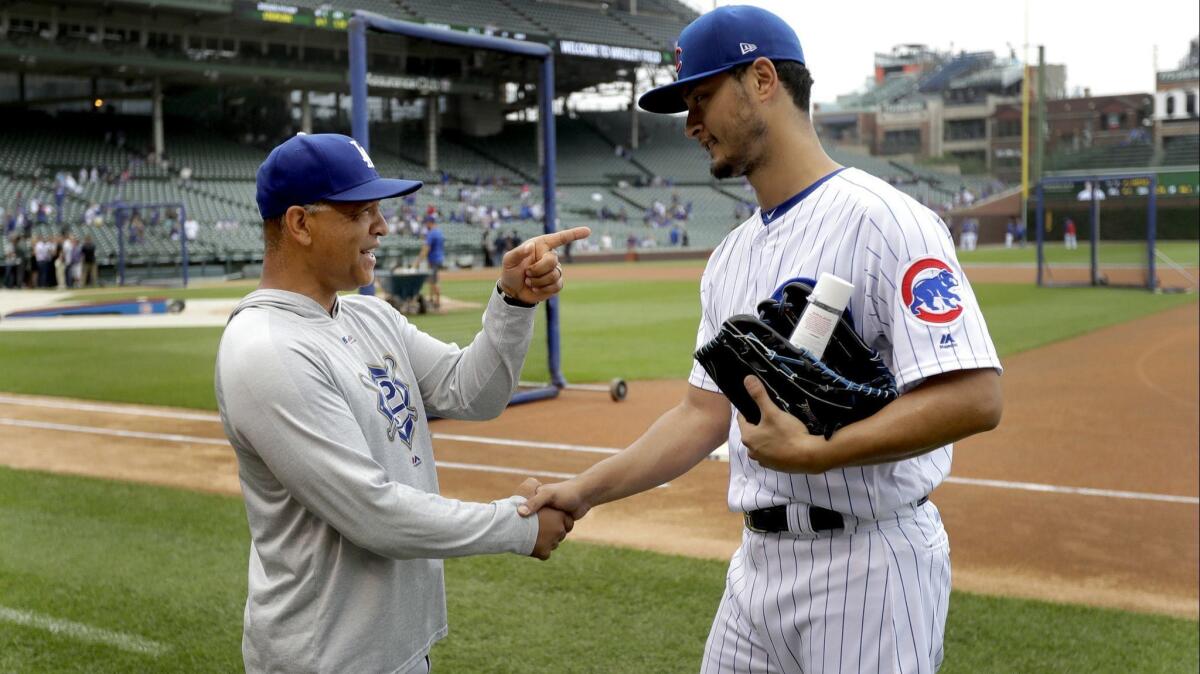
<point x="770" y="215"/>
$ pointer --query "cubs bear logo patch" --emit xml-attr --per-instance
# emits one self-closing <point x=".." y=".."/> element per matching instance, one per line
<point x="394" y="400"/>
<point x="928" y="291"/>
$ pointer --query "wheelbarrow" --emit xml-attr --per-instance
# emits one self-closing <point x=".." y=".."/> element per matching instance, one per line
<point x="403" y="290"/>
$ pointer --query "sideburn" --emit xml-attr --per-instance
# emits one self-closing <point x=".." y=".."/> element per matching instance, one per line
<point x="752" y="144"/>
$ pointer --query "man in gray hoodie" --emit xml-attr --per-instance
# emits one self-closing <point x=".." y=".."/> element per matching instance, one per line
<point x="326" y="399"/>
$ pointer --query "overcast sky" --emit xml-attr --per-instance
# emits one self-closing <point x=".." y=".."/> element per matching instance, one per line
<point x="1106" y="45"/>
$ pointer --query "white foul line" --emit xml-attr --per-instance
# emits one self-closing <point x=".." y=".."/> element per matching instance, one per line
<point x="112" y="432"/>
<point x="110" y="409"/>
<point x="81" y="632"/>
<point x="136" y="411"/>
<point x="525" y="443"/>
<point x="192" y="439"/>
<point x="1084" y="491"/>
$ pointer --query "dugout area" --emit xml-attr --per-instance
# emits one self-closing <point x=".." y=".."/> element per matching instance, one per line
<point x="1105" y="229"/>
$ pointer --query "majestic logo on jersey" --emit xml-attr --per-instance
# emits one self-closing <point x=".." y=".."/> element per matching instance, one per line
<point x="678" y="58"/>
<point x="927" y="288"/>
<point x="948" y="342"/>
<point x="747" y="47"/>
<point x="395" y="402"/>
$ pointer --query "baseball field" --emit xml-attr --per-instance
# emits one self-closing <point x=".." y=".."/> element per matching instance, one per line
<point x="1075" y="526"/>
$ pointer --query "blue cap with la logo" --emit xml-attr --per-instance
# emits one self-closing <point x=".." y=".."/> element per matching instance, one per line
<point x="719" y="40"/>
<point x="308" y="168"/>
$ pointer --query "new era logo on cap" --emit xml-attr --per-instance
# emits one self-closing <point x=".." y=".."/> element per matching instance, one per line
<point x="747" y="48"/>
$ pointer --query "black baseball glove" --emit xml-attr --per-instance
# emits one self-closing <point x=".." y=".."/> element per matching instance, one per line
<point x="851" y="382"/>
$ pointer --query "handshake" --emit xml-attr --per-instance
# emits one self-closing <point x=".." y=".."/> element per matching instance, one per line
<point x="556" y="507"/>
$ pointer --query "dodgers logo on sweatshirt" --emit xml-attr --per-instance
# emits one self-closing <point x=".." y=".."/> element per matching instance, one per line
<point x="395" y="402"/>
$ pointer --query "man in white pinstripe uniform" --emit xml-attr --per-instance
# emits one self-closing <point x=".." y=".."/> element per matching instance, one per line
<point x="844" y="563"/>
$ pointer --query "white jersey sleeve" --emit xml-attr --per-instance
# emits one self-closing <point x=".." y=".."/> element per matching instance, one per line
<point x="921" y="313"/>
<point x="709" y="327"/>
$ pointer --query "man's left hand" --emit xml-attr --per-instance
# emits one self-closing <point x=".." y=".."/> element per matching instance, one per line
<point x="780" y="441"/>
<point x="531" y="272"/>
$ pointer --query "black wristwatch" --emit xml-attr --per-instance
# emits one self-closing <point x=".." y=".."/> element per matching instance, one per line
<point x="512" y="301"/>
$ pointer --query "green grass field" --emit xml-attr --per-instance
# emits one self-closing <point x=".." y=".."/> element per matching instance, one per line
<point x="1184" y="253"/>
<point x="628" y="329"/>
<point x="170" y="566"/>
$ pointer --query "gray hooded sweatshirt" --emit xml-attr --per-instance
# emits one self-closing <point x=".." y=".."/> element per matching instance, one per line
<point x="328" y="416"/>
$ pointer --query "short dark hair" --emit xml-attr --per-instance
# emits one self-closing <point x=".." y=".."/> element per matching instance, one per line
<point x="273" y="227"/>
<point x="794" y="77"/>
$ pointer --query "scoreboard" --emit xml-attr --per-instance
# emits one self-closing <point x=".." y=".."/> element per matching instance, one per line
<point x="275" y="12"/>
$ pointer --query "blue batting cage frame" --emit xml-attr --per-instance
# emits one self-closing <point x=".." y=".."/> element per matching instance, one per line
<point x="361" y="22"/>
<point x="1094" y="235"/>
<point x="122" y="209"/>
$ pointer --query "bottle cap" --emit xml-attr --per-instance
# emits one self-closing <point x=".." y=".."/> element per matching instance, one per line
<point x="832" y="291"/>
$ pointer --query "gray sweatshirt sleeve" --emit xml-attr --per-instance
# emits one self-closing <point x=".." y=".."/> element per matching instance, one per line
<point x="478" y="381"/>
<point x="306" y="434"/>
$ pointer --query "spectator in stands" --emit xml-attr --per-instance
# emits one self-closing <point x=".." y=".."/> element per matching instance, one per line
<point x="74" y="262"/>
<point x="1070" y="242"/>
<point x="64" y="248"/>
<point x="11" y="262"/>
<point x="485" y="247"/>
<point x="137" y="228"/>
<point x="965" y="197"/>
<point x="606" y="241"/>
<point x="191" y="229"/>
<point x="91" y="271"/>
<point x="434" y="252"/>
<point x="43" y="253"/>
<point x="1010" y="232"/>
<point x="970" y="234"/>
<point x="92" y="216"/>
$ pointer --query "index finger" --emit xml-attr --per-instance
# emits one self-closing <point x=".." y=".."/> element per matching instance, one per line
<point x="563" y="237"/>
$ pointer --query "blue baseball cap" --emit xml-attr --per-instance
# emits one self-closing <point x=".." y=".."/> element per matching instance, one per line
<point x="717" y="41"/>
<point x="308" y="168"/>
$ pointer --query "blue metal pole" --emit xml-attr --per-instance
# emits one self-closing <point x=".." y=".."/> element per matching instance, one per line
<point x="549" y="170"/>
<point x="118" y="212"/>
<point x="183" y="241"/>
<point x="1039" y="223"/>
<point x="359" y="126"/>
<point x="1095" y="233"/>
<point x="358" y="82"/>
<point x="1152" y="233"/>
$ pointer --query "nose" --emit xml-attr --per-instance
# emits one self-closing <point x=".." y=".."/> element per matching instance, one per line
<point x="378" y="224"/>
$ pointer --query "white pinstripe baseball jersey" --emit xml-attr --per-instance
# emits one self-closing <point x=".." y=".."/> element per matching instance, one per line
<point x="911" y="302"/>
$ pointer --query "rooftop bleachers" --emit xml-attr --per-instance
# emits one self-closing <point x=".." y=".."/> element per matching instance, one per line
<point x="1113" y="156"/>
<point x="480" y="13"/>
<point x="1181" y="151"/>
<point x="579" y="23"/>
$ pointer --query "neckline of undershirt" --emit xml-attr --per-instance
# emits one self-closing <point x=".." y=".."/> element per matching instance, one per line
<point x="775" y="213"/>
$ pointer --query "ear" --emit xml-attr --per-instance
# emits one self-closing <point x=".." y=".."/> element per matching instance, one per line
<point x="764" y="80"/>
<point x="297" y="226"/>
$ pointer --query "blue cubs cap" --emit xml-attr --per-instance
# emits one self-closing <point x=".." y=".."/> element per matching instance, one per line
<point x="308" y="168"/>
<point x="719" y="40"/>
